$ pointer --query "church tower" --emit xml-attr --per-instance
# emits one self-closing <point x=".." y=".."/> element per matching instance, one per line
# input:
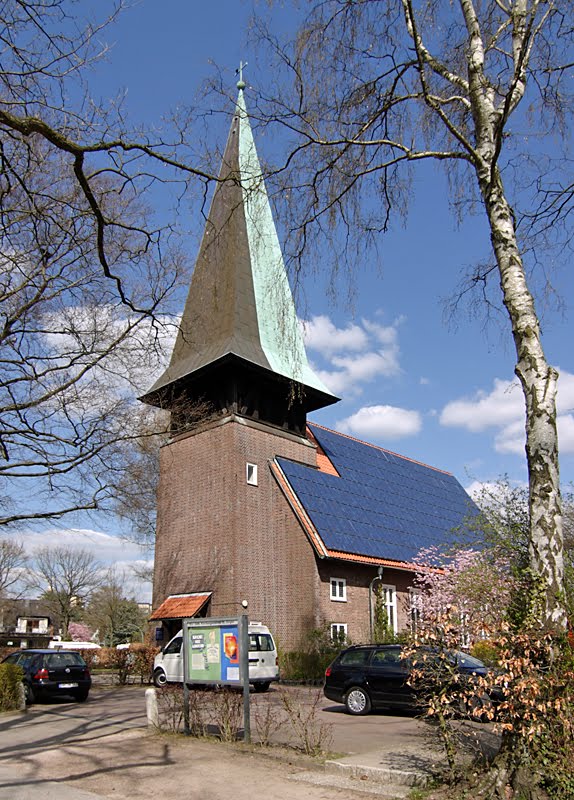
<point x="225" y="533"/>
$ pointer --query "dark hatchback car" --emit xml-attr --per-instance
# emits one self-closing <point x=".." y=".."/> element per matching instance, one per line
<point x="377" y="676"/>
<point x="51" y="673"/>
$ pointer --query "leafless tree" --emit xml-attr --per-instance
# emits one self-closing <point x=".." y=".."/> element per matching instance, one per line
<point x="13" y="561"/>
<point x="135" y="491"/>
<point x="478" y="87"/>
<point x="86" y="271"/>
<point x="65" y="577"/>
<point x="112" y="613"/>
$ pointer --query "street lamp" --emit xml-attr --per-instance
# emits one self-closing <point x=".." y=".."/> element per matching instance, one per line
<point x="378" y="577"/>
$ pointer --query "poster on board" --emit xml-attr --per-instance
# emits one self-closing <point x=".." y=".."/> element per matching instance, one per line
<point x="213" y="651"/>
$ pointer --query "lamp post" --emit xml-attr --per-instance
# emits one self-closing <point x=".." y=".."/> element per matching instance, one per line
<point x="378" y="577"/>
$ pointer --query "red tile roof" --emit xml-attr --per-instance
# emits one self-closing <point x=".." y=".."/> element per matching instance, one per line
<point x="179" y="606"/>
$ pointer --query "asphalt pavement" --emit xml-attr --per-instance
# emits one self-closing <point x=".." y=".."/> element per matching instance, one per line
<point x="104" y="748"/>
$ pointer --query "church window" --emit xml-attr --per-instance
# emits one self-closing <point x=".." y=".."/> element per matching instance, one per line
<point x="339" y="632"/>
<point x="339" y="589"/>
<point x="389" y="597"/>
<point x="251" y="474"/>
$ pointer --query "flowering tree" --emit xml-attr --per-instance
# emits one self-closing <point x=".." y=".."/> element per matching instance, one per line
<point x="78" y="632"/>
<point x="469" y="590"/>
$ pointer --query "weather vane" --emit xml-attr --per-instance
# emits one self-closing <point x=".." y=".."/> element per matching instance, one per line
<point x="239" y="71"/>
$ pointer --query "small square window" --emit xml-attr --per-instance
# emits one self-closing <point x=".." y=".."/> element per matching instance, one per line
<point x="339" y="632"/>
<point x="251" y="474"/>
<point x="339" y="590"/>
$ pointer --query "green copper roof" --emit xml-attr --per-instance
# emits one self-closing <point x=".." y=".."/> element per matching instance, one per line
<point x="239" y="301"/>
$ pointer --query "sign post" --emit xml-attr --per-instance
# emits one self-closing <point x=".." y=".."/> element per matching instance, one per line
<point x="244" y="660"/>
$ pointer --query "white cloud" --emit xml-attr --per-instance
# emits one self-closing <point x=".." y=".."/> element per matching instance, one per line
<point x="136" y="351"/>
<point x="503" y="410"/>
<point x="566" y="433"/>
<point x="353" y="355"/>
<point x="485" y="410"/>
<point x="494" y="493"/>
<point x="511" y="438"/>
<point x="382" y="422"/>
<point x="320" y="334"/>
<point x="110" y="551"/>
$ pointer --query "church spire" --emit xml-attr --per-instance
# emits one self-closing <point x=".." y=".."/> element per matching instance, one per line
<point x="240" y="309"/>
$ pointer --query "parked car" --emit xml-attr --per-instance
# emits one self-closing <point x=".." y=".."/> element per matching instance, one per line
<point x="263" y="659"/>
<point x="368" y="677"/>
<point x="52" y="673"/>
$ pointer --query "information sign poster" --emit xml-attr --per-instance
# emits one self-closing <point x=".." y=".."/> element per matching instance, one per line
<point x="216" y="651"/>
<point x="213" y="652"/>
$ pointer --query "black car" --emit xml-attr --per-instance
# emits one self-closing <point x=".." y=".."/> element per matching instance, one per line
<point x="377" y="676"/>
<point x="52" y="673"/>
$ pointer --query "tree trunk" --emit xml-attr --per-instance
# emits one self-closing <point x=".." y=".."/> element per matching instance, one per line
<point x="539" y="384"/>
<point x="509" y="777"/>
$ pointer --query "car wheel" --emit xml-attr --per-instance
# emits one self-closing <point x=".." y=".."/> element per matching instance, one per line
<point x="81" y="697"/>
<point x="29" y="695"/>
<point x="159" y="678"/>
<point x="357" y="701"/>
<point x="262" y="687"/>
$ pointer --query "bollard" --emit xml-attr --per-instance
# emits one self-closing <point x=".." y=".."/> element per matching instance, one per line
<point x="22" y="706"/>
<point x="151" y="708"/>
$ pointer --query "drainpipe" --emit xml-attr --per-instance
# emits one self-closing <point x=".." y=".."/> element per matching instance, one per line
<point x="378" y="577"/>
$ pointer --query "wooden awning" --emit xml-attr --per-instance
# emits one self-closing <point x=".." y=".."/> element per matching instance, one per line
<point x="180" y="606"/>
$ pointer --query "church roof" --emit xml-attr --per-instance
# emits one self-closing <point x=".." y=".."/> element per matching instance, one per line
<point x="240" y="302"/>
<point x="370" y="505"/>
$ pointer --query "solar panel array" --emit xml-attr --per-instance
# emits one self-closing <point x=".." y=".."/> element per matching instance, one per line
<point x="383" y="505"/>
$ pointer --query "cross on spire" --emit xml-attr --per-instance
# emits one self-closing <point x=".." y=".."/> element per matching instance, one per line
<point x="239" y="71"/>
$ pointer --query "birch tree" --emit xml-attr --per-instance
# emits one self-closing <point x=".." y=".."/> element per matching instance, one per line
<point x="477" y="86"/>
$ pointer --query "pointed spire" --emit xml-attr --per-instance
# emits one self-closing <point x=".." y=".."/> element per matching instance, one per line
<point x="240" y="303"/>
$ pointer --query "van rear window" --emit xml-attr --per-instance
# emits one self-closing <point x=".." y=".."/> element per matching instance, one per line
<point x="261" y="641"/>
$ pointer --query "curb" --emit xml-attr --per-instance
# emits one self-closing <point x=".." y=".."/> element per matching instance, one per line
<point x="383" y="774"/>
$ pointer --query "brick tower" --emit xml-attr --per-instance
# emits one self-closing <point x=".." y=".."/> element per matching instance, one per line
<point x="225" y="532"/>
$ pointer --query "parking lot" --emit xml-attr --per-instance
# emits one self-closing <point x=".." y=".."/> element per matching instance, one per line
<point x="103" y="746"/>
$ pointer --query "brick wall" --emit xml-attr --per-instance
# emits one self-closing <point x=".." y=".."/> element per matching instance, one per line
<point x="354" y="611"/>
<point x="217" y="533"/>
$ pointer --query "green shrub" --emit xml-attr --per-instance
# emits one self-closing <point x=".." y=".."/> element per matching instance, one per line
<point x="487" y="652"/>
<point x="10" y="683"/>
<point x="308" y="664"/>
<point x="304" y="667"/>
<point x="129" y="664"/>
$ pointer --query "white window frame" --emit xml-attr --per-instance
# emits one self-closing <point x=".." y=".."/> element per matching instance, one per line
<point x="251" y="474"/>
<point x="390" y="604"/>
<point x="415" y="610"/>
<point x="338" y="631"/>
<point x="338" y="590"/>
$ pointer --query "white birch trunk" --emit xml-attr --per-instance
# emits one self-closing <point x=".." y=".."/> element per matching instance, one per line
<point x="537" y="377"/>
<point x="539" y="384"/>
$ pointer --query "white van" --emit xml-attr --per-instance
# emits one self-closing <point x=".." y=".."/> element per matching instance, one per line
<point x="263" y="660"/>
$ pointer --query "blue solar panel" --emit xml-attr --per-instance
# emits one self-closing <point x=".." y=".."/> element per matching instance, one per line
<point x="382" y="505"/>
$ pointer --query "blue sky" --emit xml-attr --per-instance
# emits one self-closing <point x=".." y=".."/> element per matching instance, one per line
<point x="439" y="391"/>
